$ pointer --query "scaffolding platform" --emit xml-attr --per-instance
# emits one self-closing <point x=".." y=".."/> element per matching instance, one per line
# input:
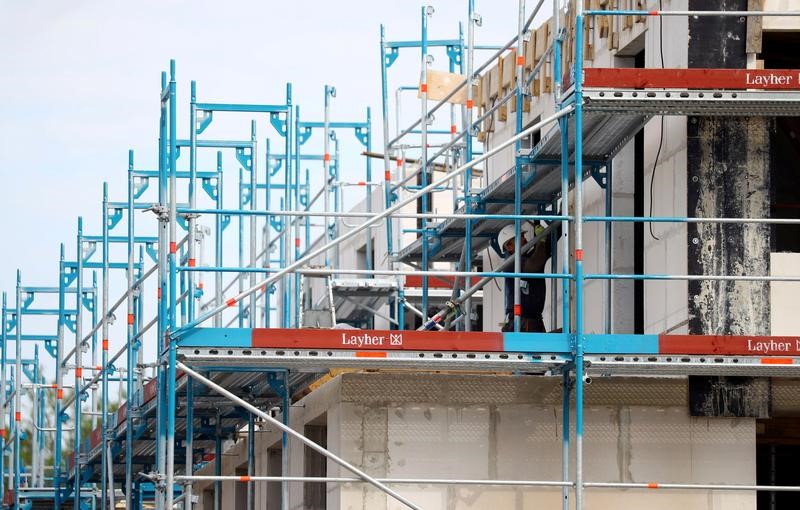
<point x="317" y="350"/>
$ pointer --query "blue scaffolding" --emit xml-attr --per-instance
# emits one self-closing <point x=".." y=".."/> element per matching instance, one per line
<point x="221" y="359"/>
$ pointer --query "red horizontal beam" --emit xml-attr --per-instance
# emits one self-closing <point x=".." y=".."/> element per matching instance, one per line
<point x="364" y="340"/>
<point x="729" y="345"/>
<point x="766" y="79"/>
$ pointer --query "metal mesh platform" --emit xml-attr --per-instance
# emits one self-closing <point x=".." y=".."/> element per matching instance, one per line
<point x="757" y="103"/>
<point x="319" y="360"/>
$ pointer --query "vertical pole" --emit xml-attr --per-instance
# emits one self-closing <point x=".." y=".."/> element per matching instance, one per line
<point x="94" y="389"/>
<point x="129" y="349"/>
<point x="565" y="409"/>
<point x="35" y="460"/>
<point x="241" y="220"/>
<point x="387" y="171"/>
<point x="59" y="386"/>
<point x="251" y="460"/>
<point x="607" y="233"/>
<point x="162" y="293"/>
<point x="368" y="245"/>
<point x="39" y="420"/>
<point x="191" y="248"/>
<point x="78" y="366"/>
<point x="295" y="223"/>
<point x="306" y="219"/>
<point x="189" y="466"/>
<point x="467" y="126"/>
<point x="518" y="167"/>
<point x="287" y="203"/>
<point x="338" y="205"/>
<point x="423" y="160"/>
<point x="251" y="319"/>
<point x="773" y="471"/>
<point x="287" y="405"/>
<point x="173" y="287"/>
<point x="218" y="243"/>
<point x="579" y="256"/>
<point x="326" y="164"/>
<point x="218" y="464"/>
<point x="104" y="373"/>
<point x="18" y="392"/>
<point x="267" y="235"/>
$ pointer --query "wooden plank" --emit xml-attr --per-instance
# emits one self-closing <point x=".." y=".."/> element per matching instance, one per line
<point x="754" y="27"/>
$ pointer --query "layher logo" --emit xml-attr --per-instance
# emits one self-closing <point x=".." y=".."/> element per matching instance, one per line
<point x="770" y="79"/>
<point x="774" y="346"/>
<point x="369" y="340"/>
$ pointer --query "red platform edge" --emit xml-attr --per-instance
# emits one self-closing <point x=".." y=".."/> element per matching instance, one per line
<point x="726" y="345"/>
<point x="737" y="79"/>
<point x="361" y="339"/>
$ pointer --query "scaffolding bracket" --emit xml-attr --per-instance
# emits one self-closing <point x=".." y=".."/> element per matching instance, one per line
<point x="204" y="118"/>
<point x="278" y="123"/>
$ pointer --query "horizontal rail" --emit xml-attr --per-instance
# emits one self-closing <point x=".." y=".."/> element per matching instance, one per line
<point x="392" y="481"/>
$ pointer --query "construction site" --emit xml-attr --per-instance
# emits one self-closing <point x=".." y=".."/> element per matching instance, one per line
<point x="569" y="283"/>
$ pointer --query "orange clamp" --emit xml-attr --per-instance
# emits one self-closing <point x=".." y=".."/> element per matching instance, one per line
<point x="653" y="13"/>
<point x="105" y="345"/>
<point x="387" y="175"/>
<point x="423" y="87"/>
<point x="470" y="104"/>
<point x="452" y="129"/>
<point x="173" y="248"/>
<point x="520" y="60"/>
<point x="517" y="310"/>
<point x="244" y="478"/>
<point x="192" y="262"/>
<point x="18" y="416"/>
<point x="297" y="242"/>
<point x="578" y="254"/>
<point x="652" y="485"/>
<point x="79" y="372"/>
<point x="59" y="394"/>
<point x="230" y="302"/>
<point x="326" y="157"/>
<point x="131" y="319"/>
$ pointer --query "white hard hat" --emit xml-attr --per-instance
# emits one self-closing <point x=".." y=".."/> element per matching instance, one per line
<point x="504" y="236"/>
<point x="507" y="233"/>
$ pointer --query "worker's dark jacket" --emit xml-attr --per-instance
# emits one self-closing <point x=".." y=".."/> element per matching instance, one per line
<point x="532" y="290"/>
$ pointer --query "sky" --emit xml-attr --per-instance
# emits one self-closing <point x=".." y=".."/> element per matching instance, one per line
<point x="79" y="83"/>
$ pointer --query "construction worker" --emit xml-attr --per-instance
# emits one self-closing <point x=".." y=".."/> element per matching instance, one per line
<point x="532" y="290"/>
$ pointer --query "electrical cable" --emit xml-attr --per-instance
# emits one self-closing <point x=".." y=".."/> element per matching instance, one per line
<point x="661" y="135"/>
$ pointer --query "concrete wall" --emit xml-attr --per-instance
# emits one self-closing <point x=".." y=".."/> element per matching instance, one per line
<point x="509" y="427"/>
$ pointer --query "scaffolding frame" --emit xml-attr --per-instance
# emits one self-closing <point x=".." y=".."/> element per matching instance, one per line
<point x="150" y="414"/>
